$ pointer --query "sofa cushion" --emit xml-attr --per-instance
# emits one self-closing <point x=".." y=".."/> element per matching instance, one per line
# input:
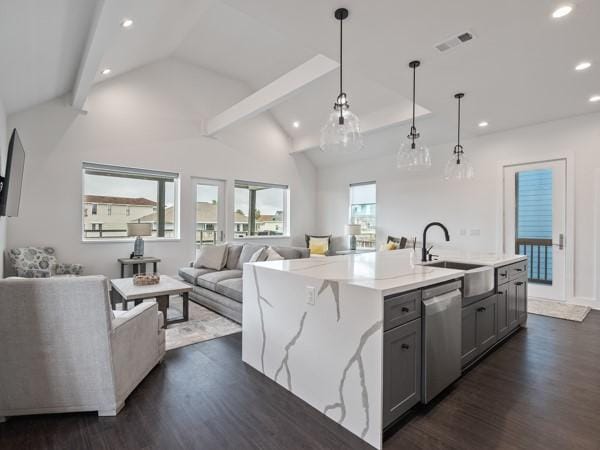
<point x="212" y="257"/>
<point x="288" y="252"/>
<point x="231" y="288"/>
<point x="247" y="252"/>
<point x="210" y="280"/>
<point x="233" y="255"/>
<point x="190" y="274"/>
<point x="272" y="255"/>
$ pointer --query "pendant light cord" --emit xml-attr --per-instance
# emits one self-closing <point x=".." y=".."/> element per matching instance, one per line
<point x="414" y="100"/>
<point x="458" y="122"/>
<point x="341" y="53"/>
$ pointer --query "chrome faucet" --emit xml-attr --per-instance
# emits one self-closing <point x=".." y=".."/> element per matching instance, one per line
<point x="425" y="250"/>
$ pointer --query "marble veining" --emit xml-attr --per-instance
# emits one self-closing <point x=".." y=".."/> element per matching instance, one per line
<point x="356" y="358"/>
<point x="289" y="345"/>
<point x="335" y="289"/>
<point x="259" y="299"/>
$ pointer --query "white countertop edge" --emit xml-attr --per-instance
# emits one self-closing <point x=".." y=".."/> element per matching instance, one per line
<point x="411" y="286"/>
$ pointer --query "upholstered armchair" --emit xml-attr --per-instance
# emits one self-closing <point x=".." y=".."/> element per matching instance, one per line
<point x="39" y="262"/>
<point x="64" y="350"/>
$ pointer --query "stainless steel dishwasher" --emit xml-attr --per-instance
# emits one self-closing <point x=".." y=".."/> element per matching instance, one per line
<point x="442" y="334"/>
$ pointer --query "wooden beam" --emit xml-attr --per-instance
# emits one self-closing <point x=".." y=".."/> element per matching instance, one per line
<point x="377" y="120"/>
<point x="105" y="25"/>
<point x="272" y="94"/>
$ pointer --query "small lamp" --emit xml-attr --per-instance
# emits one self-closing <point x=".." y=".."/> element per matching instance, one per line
<point x="352" y="230"/>
<point x="139" y="230"/>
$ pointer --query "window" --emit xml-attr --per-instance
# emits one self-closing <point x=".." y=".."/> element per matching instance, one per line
<point x="363" y="212"/>
<point x="261" y="209"/>
<point x="118" y="196"/>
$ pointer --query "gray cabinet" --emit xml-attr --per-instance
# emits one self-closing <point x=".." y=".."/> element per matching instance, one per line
<point x="487" y="323"/>
<point x="513" y="316"/>
<point x="469" y="335"/>
<point x="502" y="310"/>
<point x="479" y="328"/>
<point x="521" y="296"/>
<point x="401" y="370"/>
<point x="400" y="309"/>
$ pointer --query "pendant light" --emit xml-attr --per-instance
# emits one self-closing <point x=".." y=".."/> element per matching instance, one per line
<point x="458" y="166"/>
<point x="410" y="155"/>
<point x="342" y="130"/>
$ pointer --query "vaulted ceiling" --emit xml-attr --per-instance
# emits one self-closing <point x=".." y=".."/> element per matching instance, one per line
<point x="518" y="70"/>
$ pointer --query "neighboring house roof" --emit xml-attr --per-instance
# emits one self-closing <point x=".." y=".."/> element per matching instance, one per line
<point x="140" y="201"/>
<point x="205" y="213"/>
<point x="270" y="218"/>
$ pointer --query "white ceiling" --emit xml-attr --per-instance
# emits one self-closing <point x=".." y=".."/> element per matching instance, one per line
<point x="41" y="44"/>
<point x="518" y="71"/>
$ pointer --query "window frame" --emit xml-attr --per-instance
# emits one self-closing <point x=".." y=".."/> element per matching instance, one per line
<point x="362" y="183"/>
<point x="133" y="172"/>
<point x="286" y="210"/>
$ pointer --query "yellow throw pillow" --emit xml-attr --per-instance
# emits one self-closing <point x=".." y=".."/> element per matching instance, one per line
<point x="318" y="249"/>
<point x="392" y="246"/>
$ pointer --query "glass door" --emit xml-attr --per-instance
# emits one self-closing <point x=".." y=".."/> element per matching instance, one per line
<point x="535" y="223"/>
<point x="209" y="205"/>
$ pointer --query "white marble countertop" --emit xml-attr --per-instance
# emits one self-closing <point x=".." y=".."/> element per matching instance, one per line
<point x="388" y="271"/>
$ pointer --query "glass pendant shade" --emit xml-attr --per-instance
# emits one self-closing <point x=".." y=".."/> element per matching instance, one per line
<point x="341" y="137"/>
<point x="414" y="159"/>
<point x="459" y="169"/>
<point x="342" y="130"/>
<point x="458" y="166"/>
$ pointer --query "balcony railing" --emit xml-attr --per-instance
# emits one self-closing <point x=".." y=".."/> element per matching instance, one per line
<point x="539" y="252"/>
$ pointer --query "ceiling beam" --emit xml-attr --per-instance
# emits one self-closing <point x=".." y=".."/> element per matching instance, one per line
<point x="273" y="93"/>
<point x="369" y="123"/>
<point x="105" y="25"/>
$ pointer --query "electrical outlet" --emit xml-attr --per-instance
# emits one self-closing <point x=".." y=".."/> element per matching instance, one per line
<point x="311" y="295"/>
<point x="463" y="232"/>
<point x="475" y="232"/>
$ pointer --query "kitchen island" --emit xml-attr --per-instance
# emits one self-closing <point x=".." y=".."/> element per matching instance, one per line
<point x="318" y="327"/>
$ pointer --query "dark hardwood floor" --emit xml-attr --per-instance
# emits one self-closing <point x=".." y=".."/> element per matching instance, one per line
<point x="541" y="389"/>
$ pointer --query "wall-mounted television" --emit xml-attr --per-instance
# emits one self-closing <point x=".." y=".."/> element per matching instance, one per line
<point x="10" y="184"/>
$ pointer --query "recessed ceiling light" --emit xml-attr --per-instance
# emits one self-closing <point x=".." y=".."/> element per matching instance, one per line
<point x="595" y="98"/>
<point x="106" y="71"/>
<point x="583" y="65"/>
<point x="296" y="124"/>
<point x="562" y="11"/>
<point x="483" y="124"/>
<point x="126" y="23"/>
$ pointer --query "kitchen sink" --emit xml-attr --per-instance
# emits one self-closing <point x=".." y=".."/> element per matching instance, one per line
<point x="454" y="265"/>
<point x="478" y="280"/>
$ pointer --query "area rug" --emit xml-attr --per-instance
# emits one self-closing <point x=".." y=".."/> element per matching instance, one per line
<point x="203" y="324"/>
<point x="559" y="310"/>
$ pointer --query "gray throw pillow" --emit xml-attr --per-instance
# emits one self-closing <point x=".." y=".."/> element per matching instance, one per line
<point x="212" y="257"/>
<point x="247" y="252"/>
<point x="233" y="255"/>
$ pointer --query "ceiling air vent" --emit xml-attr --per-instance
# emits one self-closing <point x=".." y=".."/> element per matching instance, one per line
<point x="455" y="41"/>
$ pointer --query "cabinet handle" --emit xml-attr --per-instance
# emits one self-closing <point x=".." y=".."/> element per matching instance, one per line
<point x="519" y="270"/>
<point x="519" y="283"/>
<point x="481" y="309"/>
<point x="405" y="346"/>
<point x="501" y="292"/>
<point x="405" y="309"/>
<point x="504" y="274"/>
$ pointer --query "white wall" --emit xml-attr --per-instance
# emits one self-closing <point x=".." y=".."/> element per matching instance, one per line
<point x="148" y="118"/>
<point x="406" y="202"/>
<point x="3" y="144"/>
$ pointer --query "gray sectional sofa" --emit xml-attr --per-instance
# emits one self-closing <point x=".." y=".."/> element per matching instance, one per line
<point x="221" y="290"/>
